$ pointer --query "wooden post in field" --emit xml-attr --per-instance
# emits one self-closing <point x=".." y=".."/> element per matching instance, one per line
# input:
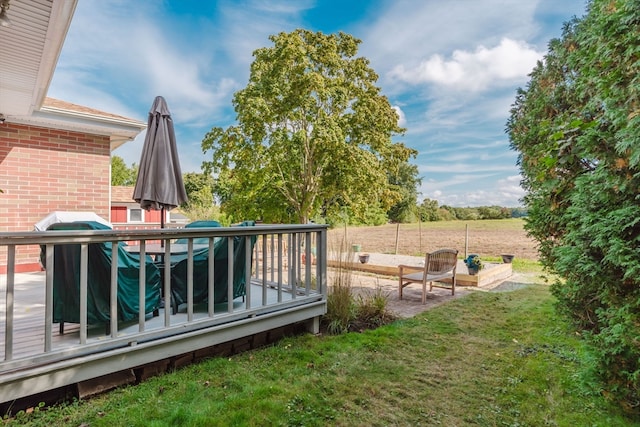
<point x="466" y="240"/>
<point x="346" y="241"/>
<point x="397" y="236"/>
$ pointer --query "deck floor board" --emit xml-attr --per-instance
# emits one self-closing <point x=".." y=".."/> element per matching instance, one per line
<point x="29" y="317"/>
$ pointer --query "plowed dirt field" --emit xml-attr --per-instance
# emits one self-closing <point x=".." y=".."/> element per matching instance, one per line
<point x="488" y="238"/>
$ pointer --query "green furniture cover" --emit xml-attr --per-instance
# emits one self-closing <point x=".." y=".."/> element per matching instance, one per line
<point x="199" y="224"/>
<point x="66" y="280"/>
<point x="201" y="271"/>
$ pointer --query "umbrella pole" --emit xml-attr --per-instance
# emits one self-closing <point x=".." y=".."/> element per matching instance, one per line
<point x="162" y="224"/>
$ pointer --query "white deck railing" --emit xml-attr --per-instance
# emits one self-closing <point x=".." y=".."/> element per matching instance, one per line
<point x="288" y="270"/>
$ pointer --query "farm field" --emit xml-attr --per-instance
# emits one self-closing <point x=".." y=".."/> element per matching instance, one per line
<point x="487" y="238"/>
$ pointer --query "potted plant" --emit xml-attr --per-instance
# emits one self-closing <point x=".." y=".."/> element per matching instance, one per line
<point x="507" y="258"/>
<point x="474" y="264"/>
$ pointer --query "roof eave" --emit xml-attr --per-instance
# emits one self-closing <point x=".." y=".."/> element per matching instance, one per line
<point x="119" y="130"/>
<point x="61" y="16"/>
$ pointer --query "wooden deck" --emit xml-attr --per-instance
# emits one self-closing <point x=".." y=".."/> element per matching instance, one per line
<point x="30" y="370"/>
<point x="36" y="358"/>
<point x="29" y="321"/>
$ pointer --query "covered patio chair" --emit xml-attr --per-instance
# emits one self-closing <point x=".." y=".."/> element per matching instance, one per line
<point x="199" y="224"/>
<point x="438" y="266"/>
<point x="66" y="281"/>
<point x="221" y="272"/>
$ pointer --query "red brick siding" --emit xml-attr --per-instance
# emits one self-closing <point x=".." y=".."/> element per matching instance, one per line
<point x="44" y="170"/>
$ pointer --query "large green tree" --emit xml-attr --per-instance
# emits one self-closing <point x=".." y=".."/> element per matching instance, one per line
<point x="313" y="133"/>
<point x="199" y="188"/>
<point x="428" y="210"/>
<point x="404" y="182"/>
<point x="121" y="174"/>
<point x="201" y="204"/>
<point x="577" y="128"/>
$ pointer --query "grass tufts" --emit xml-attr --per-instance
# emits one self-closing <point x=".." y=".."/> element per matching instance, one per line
<point x="347" y="312"/>
<point x="488" y="359"/>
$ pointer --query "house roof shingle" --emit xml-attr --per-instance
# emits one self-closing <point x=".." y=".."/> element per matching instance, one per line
<point x="68" y="106"/>
<point x="122" y="194"/>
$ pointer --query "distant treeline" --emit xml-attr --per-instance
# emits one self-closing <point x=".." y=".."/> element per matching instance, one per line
<point x="430" y="211"/>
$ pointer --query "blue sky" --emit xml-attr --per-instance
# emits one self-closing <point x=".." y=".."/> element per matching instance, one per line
<point x="450" y="68"/>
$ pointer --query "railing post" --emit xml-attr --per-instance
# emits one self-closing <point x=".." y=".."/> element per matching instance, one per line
<point x="230" y="274"/>
<point x="321" y="261"/>
<point x="280" y="267"/>
<point x="142" y="286"/>
<point x="264" y="270"/>
<point x="167" y="283"/>
<point x="48" y="298"/>
<point x="84" y="266"/>
<point x="307" y="265"/>
<point x="11" y="275"/>
<point x="190" y="280"/>
<point x="113" y="318"/>
<point x="272" y="255"/>
<point x="211" y="276"/>
<point x="293" y="264"/>
<point x="247" y="269"/>
<point x="299" y="244"/>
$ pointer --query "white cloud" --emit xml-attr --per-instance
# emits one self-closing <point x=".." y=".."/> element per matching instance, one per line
<point x="506" y="192"/>
<point x="402" y="120"/>
<point x="510" y="187"/>
<point x="196" y="64"/>
<point x="476" y="71"/>
<point x="197" y="55"/>
<point x="445" y="167"/>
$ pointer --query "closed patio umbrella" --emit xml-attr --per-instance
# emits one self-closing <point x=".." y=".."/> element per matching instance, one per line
<point x="159" y="184"/>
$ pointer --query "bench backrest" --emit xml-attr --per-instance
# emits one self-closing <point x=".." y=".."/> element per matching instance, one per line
<point x="441" y="261"/>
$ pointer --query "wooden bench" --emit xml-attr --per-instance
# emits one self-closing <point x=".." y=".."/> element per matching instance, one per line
<point x="438" y="265"/>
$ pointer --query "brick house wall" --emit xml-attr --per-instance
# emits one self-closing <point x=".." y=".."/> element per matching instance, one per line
<point x="44" y="170"/>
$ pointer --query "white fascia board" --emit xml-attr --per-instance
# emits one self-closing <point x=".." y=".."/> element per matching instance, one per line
<point x="59" y="22"/>
<point x="119" y="129"/>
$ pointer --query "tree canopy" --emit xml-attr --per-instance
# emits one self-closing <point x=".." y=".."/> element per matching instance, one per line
<point x="577" y="129"/>
<point x="405" y="182"/>
<point x="201" y="204"/>
<point x="121" y="174"/>
<point x="313" y="133"/>
<point x="199" y="189"/>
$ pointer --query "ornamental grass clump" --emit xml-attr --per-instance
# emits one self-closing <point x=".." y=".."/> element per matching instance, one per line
<point x="340" y="300"/>
<point x="345" y="311"/>
<point x="372" y="310"/>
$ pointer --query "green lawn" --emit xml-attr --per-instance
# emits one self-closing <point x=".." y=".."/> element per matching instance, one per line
<point x="489" y="359"/>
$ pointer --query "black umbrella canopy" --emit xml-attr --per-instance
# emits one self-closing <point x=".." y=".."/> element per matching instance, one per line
<point x="159" y="185"/>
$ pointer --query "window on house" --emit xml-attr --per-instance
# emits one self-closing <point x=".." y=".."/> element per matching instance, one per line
<point x="135" y="215"/>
